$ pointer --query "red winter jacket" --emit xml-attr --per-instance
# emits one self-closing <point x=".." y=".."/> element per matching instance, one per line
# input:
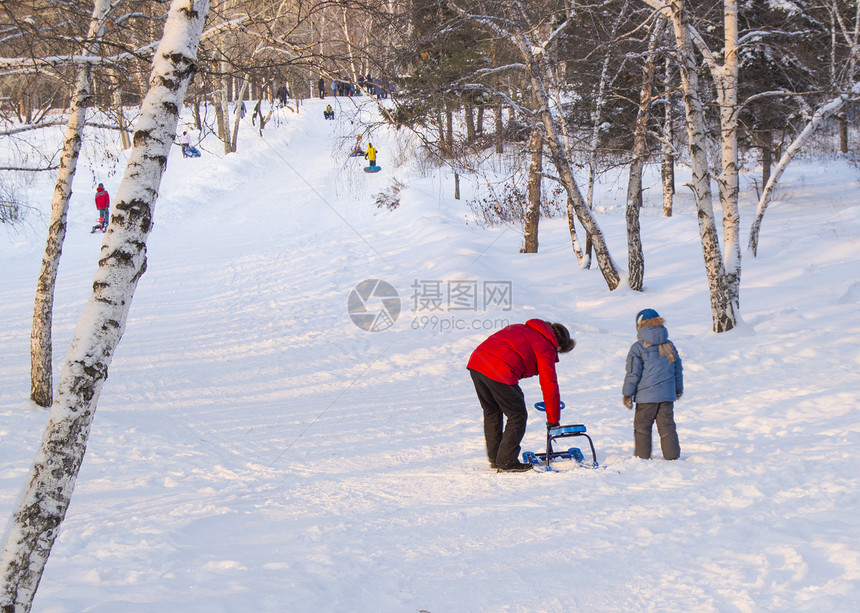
<point x="102" y="199"/>
<point x="518" y="352"/>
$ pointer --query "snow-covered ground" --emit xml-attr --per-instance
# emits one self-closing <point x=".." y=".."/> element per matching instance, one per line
<point x="256" y="450"/>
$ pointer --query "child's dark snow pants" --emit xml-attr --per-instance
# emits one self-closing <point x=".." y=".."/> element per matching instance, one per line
<point x="497" y="399"/>
<point x="663" y="413"/>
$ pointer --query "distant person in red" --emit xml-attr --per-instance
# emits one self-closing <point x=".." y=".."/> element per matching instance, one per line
<point x="516" y="352"/>
<point x="103" y="206"/>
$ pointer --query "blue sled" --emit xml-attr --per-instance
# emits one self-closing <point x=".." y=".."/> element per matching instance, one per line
<point x="372" y="168"/>
<point x="573" y="453"/>
<point x="190" y="152"/>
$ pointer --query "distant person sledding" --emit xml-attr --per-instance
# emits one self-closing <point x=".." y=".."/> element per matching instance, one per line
<point x="328" y="113"/>
<point x="103" y="208"/>
<point x="187" y="150"/>
<point x="370" y="156"/>
<point x="357" y="151"/>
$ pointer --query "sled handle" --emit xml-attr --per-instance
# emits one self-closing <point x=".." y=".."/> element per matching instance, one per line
<point x="540" y="406"/>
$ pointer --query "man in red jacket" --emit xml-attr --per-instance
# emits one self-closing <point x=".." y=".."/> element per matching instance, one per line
<point x="516" y="352"/>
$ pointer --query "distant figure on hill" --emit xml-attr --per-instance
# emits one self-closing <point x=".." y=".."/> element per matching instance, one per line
<point x="187" y="150"/>
<point x="328" y="113"/>
<point x="103" y="209"/>
<point x="370" y="154"/>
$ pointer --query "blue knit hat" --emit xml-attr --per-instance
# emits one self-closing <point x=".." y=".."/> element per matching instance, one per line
<point x="645" y="315"/>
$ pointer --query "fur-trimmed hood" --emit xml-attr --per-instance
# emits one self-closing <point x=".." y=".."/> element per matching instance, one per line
<point x="653" y="332"/>
<point x="657" y="321"/>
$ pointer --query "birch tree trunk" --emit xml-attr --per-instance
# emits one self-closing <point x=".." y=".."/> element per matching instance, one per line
<point x="234" y="135"/>
<point x="722" y="307"/>
<point x="221" y="117"/>
<point x="35" y="524"/>
<point x="41" y="352"/>
<point x="727" y="86"/>
<point x="534" y="191"/>
<point x="635" y="257"/>
<point x="574" y="239"/>
<point x="604" y="260"/>
<point x="667" y="168"/>
<point x="571" y="214"/>
<point x="348" y="38"/>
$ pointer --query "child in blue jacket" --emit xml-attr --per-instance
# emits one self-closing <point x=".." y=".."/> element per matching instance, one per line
<point x="654" y="380"/>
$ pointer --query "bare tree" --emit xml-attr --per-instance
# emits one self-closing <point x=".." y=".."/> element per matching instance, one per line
<point x="667" y="166"/>
<point x="844" y="52"/>
<point x="41" y="377"/>
<point x="635" y="256"/>
<point x="534" y="190"/>
<point x="822" y="113"/>
<point x="35" y="523"/>
<point x="723" y="284"/>
<point x="512" y="23"/>
<point x="597" y="115"/>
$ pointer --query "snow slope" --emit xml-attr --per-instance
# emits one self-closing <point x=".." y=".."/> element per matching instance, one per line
<point x="255" y="450"/>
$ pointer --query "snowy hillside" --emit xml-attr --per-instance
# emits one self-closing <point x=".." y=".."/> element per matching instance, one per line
<point x="255" y="449"/>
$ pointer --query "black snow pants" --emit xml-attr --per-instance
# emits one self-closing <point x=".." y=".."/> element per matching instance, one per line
<point x="663" y="413"/>
<point x="498" y="400"/>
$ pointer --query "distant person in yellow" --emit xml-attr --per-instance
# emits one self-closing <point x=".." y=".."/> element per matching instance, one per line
<point x="370" y="154"/>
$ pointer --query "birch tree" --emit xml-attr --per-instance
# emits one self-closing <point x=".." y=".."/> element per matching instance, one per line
<point x="35" y="523"/>
<point x="512" y="24"/>
<point x="821" y="114"/>
<point x="41" y="376"/>
<point x="635" y="256"/>
<point x="604" y="83"/>
<point x="845" y="36"/>
<point x="667" y="165"/>
<point x="723" y="284"/>
<point x="534" y="191"/>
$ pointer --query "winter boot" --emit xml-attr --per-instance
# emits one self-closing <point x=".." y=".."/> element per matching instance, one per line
<point x="515" y="467"/>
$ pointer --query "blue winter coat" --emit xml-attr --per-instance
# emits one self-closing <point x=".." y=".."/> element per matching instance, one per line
<point x="651" y="377"/>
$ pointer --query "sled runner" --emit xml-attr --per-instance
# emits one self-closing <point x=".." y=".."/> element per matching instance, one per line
<point x="100" y="226"/>
<point x="573" y="453"/>
<point x="372" y="168"/>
